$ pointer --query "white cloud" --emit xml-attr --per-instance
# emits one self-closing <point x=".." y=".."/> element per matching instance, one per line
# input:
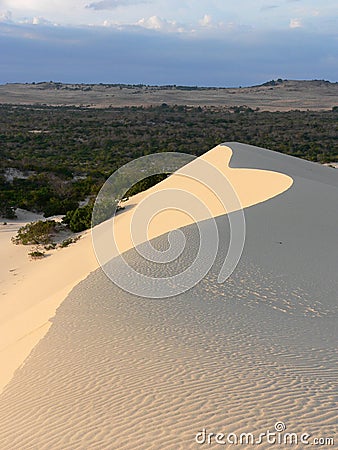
<point x="37" y="20"/>
<point x="5" y="16"/>
<point x="295" y="23"/>
<point x="177" y="15"/>
<point x="41" y="21"/>
<point x="112" y="4"/>
<point x="210" y="27"/>
<point x="206" y="21"/>
<point x="159" y="24"/>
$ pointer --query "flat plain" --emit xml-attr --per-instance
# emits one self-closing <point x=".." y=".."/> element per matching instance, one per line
<point x="280" y="95"/>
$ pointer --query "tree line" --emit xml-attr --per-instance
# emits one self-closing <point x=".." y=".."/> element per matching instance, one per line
<point x="61" y="156"/>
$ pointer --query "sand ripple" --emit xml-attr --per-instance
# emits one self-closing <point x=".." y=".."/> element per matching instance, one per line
<point x="120" y="372"/>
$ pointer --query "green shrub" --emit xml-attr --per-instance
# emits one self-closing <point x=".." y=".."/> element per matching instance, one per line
<point x="36" y="254"/>
<point x="36" y="233"/>
<point x="80" y="219"/>
<point x="146" y="183"/>
<point x="6" y="209"/>
<point x="68" y="241"/>
<point x="51" y="246"/>
<point x="104" y="210"/>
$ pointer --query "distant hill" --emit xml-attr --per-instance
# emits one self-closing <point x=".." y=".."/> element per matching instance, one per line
<point x="274" y="95"/>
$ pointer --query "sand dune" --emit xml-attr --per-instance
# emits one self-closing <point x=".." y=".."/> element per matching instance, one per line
<point x="119" y="371"/>
<point x="246" y="187"/>
<point x="32" y="291"/>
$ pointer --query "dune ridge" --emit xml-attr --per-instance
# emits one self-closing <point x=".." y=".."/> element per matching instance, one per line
<point x="119" y="371"/>
<point x="32" y="291"/>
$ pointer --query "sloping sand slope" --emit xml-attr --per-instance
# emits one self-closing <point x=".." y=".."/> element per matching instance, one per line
<point x="117" y="371"/>
<point x="247" y="187"/>
<point x="32" y="291"/>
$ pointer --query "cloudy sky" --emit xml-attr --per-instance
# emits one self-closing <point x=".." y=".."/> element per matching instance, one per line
<point x="201" y="42"/>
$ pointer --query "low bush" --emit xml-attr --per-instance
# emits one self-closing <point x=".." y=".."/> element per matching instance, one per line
<point x="69" y="241"/>
<point x="51" y="246"/>
<point x="36" y="254"/>
<point x="36" y="233"/>
<point x="79" y="219"/>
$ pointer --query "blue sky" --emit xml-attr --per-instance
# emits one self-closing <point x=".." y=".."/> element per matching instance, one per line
<point x="210" y="43"/>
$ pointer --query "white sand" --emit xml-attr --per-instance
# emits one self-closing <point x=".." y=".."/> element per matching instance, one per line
<point x="117" y="371"/>
<point x="251" y="186"/>
<point x="31" y="291"/>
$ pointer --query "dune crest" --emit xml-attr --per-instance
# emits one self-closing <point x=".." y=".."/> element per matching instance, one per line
<point x="255" y="354"/>
<point x="249" y="187"/>
<point x="31" y="298"/>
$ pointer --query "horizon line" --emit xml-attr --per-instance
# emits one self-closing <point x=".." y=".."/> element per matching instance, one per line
<point x="174" y="85"/>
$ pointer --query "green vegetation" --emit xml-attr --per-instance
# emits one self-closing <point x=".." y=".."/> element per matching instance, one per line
<point x="79" y="219"/>
<point x="36" y="254"/>
<point x="145" y="184"/>
<point x="62" y="155"/>
<point x="41" y="234"/>
<point x="68" y="241"/>
<point x="36" y="233"/>
<point x="51" y="246"/>
<point x="6" y="207"/>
